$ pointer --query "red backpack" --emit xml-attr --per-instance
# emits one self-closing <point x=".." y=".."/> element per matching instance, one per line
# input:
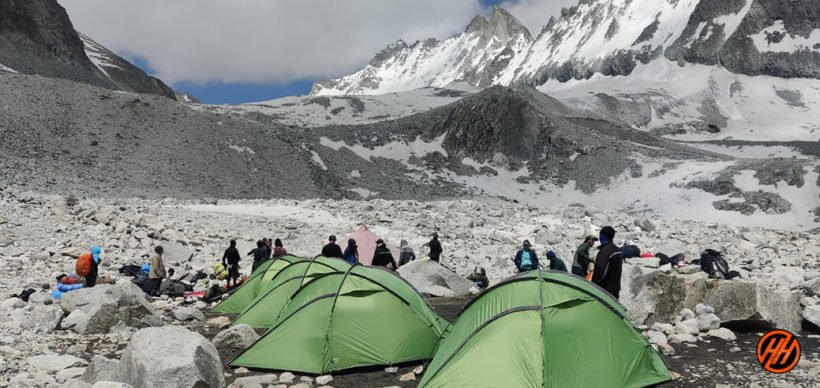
<point x="84" y="263"/>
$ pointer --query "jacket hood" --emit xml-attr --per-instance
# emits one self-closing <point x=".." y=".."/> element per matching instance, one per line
<point x="95" y="252"/>
<point x="404" y="244"/>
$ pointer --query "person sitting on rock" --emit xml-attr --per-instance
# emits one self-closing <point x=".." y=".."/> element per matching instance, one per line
<point x="556" y="263"/>
<point x="580" y="264"/>
<point x="351" y="253"/>
<point x="407" y="255"/>
<point x="479" y="277"/>
<point x="435" y="248"/>
<point x="526" y="259"/>
<point x="382" y="257"/>
<point x="609" y="263"/>
<point x="279" y="249"/>
<point x="156" y="274"/>
<point x="230" y="259"/>
<point x="258" y="255"/>
<point x="332" y="249"/>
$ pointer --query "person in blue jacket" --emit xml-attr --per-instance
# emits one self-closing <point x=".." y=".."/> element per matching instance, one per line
<point x="351" y="254"/>
<point x="526" y="259"/>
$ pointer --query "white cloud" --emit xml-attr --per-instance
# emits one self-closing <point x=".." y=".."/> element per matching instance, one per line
<point x="272" y="41"/>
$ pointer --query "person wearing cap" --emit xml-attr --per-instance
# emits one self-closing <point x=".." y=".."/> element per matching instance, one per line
<point x="556" y="263"/>
<point x="526" y="259"/>
<point x="580" y="264"/>
<point x="435" y="248"/>
<point x="382" y="256"/>
<point x="332" y="249"/>
<point x="608" y="263"/>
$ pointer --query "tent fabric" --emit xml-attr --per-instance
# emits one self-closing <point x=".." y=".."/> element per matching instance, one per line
<point x="366" y="241"/>
<point x="544" y="329"/>
<point x="341" y="320"/>
<point x="258" y="282"/>
<point x="262" y="312"/>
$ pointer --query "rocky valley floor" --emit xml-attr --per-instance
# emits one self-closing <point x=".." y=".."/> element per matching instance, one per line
<point x="46" y="343"/>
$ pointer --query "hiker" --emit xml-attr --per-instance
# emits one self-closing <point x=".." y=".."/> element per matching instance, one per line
<point x="713" y="263"/>
<point x="435" y="248"/>
<point x="258" y="255"/>
<point x="351" y="254"/>
<point x="479" y="277"/>
<point x="556" y="263"/>
<point x="526" y="259"/>
<point x="580" y="264"/>
<point x="157" y="272"/>
<point x="278" y="249"/>
<point x="608" y="263"/>
<point x="407" y="255"/>
<point x="88" y="265"/>
<point x="230" y="260"/>
<point x="268" y="248"/>
<point x="382" y="256"/>
<point x="332" y="249"/>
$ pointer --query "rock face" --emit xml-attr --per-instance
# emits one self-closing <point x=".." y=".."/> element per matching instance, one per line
<point x="40" y="318"/>
<point x="38" y="38"/>
<point x="96" y="310"/>
<point x="429" y="277"/>
<point x="170" y="357"/>
<point x="652" y="296"/>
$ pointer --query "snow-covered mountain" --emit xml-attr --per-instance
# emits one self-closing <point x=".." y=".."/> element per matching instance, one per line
<point x="778" y="38"/>
<point x="477" y="55"/>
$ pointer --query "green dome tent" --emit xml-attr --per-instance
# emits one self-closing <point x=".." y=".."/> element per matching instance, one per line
<point x="258" y="282"/>
<point x="342" y="320"/>
<point x="262" y="312"/>
<point x="544" y="329"/>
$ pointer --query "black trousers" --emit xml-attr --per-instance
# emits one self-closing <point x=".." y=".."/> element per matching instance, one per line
<point x="151" y="286"/>
<point x="91" y="278"/>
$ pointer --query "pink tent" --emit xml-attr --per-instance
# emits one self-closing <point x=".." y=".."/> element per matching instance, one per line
<point x="366" y="241"/>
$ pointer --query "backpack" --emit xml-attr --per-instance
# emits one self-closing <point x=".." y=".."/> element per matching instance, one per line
<point x="84" y="264"/>
<point x="713" y="263"/>
<point x="526" y="260"/>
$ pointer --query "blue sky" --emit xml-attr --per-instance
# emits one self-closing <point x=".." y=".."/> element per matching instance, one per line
<point x="240" y="92"/>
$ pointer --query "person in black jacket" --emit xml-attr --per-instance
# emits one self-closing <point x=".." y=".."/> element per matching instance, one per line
<point x="258" y="254"/>
<point x="382" y="256"/>
<point x="332" y="249"/>
<point x="230" y="259"/>
<point x="435" y="248"/>
<point x="608" y="263"/>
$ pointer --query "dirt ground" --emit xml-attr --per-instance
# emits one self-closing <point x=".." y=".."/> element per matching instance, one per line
<point x="706" y="364"/>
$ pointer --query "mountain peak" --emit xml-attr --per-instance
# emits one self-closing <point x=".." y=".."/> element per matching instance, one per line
<point x="502" y="24"/>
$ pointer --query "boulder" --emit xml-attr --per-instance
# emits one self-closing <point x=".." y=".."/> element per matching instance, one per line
<point x="262" y="380"/>
<point x="649" y="262"/>
<point x="12" y="303"/>
<point x="722" y="333"/>
<point x="645" y="224"/>
<point x="689" y="269"/>
<point x="659" y="339"/>
<point x="287" y="378"/>
<point x="702" y="309"/>
<point x="111" y="384"/>
<point x="236" y="337"/>
<point x="69" y="374"/>
<point x="689" y="326"/>
<point x="96" y="310"/>
<point x="681" y="338"/>
<point x="686" y="314"/>
<point x="100" y="369"/>
<point x="43" y="318"/>
<point x="812" y="314"/>
<point x="188" y="314"/>
<point x="652" y="296"/>
<point x="708" y="322"/>
<point x="170" y="357"/>
<point x="324" y="380"/>
<point x="52" y="363"/>
<point x="429" y="277"/>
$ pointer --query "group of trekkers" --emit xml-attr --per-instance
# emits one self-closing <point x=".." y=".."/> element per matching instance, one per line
<point x="606" y="268"/>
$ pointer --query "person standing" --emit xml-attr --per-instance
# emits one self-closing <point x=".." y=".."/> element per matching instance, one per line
<point x="407" y="255"/>
<point x="580" y="264"/>
<point x="608" y="263"/>
<point x="435" y="248"/>
<point x="382" y="257"/>
<point x="556" y="263"/>
<point x="91" y="278"/>
<point x="268" y="249"/>
<point x="526" y="259"/>
<point x="278" y="249"/>
<point x="230" y="259"/>
<point x="258" y="254"/>
<point x="351" y="253"/>
<point x="157" y="272"/>
<point x="332" y="249"/>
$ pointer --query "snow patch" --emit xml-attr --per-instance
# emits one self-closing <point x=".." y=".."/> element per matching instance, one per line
<point x="278" y="212"/>
<point x="364" y="193"/>
<point x="97" y="54"/>
<point x="241" y="149"/>
<point x="788" y="43"/>
<point x="399" y="151"/>
<point x="318" y="160"/>
<point x="7" y="69"/>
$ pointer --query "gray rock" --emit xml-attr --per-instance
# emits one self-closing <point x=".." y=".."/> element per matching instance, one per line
<point x="188" y="314"/>
<point x="43" y="318"/>
<point x="722" y="333"/>
<point x="664" y="328"/>
<point x="111" y="384"/>
<point x="688" y="269"/>
<point x="702" y="309"/>
<point x="54" y="363"/>
<point x="681" y="338"/>
<point x="12" y="303"/>
<point x="77" y="383"/>
<point x="708" y="322"/>
<point x="260" y="379"/>
<point x="650" y="262"/>
<point x="324" y="380"/>
<point x="69" y="374"/>
<point x="687" y="314"/>
<point x="689" y="326"/>
<point x="812" y="314"/>
<point x="645" y="224"/>
<point x="96" y="310"/>
<point x="287" y="378"/>
<point x="100" y="369"/>
<point x="236" y="337"/>
<point x="659" y="339"/>
<point x="430" y="277"/>
<point x="170" y="356"/>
